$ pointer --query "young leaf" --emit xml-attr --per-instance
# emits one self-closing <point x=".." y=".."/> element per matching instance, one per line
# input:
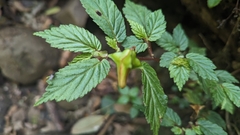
<point x="153" y="95"/>
<point x="134" y="112"/>
<point x="71" y="38"/>
<point x="166" y="59"/>
<point x="81" y="57"/>
<point x="134" y="92"/>
<point x="136" y="13"/>
<point x="107" y="16"/>
<point x="123" y="99"/>
<point x="167" y="43"/>
<point x="132" y="41"/>
<point x="197" y="130"/>
<point x="189" y="132"/>
<point x="171" y="118"/>
<point x="209" y="128"/>
<point x="180" y="37"/>
<point x="156" y="25"/>
<point x="177" y="130"/>
<point x="112" y="43"/>
<point x="213" y="3"/>
<point x="202" y="66"/>
<point x="138" y="30"/>
<point x="233" y="93"/>
<point x="179" y="73"/>
<point x="75" y="80"/>
<point x="225" y="76"/>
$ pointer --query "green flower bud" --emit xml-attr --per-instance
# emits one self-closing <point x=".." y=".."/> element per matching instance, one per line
<point x="125" y="61"/>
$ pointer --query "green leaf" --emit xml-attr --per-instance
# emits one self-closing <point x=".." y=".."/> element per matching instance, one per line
<point x="133" y="92"/>
<point x="153" y="97"/>
<point x="156" y="25"/>
<point x="133" y="112"/>
<point x="112" y="43"/>
<point x="124" y="91"/>
<point x="132" y="41"/>
<point x="138" y="30"/>
<point x="202" y="66"/>
<point x="190" y="132"/>
<point x="171" y="118"/>
<point x="180" y="37"/>
<point x="123" y="99"/>
<point x="225" y="76"/>
<point x="136" y="13"/>
<point x="177" y="130"/>
<point x="179" y="71"/>
<point x="213" y="3"/>
<point x="220" y="97"/>
<point x="233" y="93"/>
<point x="75" y="80"/>
<point x="209" y="128"/>
<point x="71" y="38"/>
<point x="166" y="59"/>
<point x="107" y="103"/>
<point x="180" y="75"/>
<point x="167" y="43"/>
<point x="81" y="57"/>
<point x="107" y="16"/>
<point x="197" y="130"/>
<point x="136" y="100"/>
<point x="215" y="118"/>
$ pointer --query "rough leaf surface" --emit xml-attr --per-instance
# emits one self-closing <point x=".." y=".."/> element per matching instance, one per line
<point x="209" y="128"/>
<point x="71" y="38"/>
<point x="154" y="98"/>
<point x="75" y="80"/>
<point x="107" y="16"/>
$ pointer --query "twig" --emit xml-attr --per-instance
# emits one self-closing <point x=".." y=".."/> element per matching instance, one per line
<point x="149" y="48"/>
<point x="236" y="129"/>
<point x="149" y="58"/>
<point x="105" y="127"/>
<point x="51" y="108"/>
<point x="235" y="72"/>
<point x="235" y="10"/>
<point x="205" y="42"/>
<point x="228" y="123"/>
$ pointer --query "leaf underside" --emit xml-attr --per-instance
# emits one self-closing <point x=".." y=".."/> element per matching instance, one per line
<point x="75" y="80"/>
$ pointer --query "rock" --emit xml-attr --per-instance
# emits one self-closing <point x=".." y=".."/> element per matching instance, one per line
<point x="72" y="13"/>
<point x="24" y="58"/>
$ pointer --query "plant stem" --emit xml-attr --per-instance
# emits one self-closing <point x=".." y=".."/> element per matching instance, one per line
<point x="149" y="58"/>
<point x="149" y="48"/>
